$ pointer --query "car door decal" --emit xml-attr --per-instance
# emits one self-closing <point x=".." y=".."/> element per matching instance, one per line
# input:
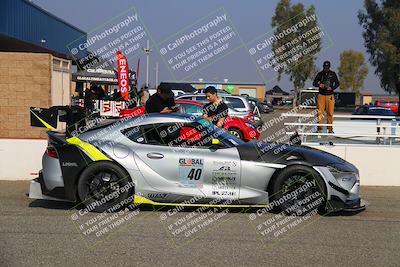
<point x="225" y="178"/>
<point x="191" y="172"/>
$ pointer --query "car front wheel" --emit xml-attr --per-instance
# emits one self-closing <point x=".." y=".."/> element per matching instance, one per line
<point x="299" y="190"/>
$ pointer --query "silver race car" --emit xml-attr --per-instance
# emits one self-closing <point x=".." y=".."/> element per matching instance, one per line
<point x="163" y="159"/>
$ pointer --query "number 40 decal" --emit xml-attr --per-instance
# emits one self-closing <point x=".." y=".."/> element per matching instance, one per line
<point x="194" y="174"/>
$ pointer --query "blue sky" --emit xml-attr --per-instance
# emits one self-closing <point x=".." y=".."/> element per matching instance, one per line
<point x="250" y="18"/>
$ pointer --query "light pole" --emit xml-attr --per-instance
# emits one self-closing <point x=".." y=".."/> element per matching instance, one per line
<point x="147" y="51"/>
<point x="156" y="74"/>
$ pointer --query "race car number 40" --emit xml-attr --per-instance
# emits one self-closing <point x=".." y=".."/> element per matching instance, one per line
<point x="191" y="172"/>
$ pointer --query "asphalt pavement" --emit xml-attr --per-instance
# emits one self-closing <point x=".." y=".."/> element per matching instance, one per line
<point x="43" y="233"/>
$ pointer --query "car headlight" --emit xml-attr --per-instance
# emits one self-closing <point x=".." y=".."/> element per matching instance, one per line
<point x="343" y="167"/>
<point x="345" y="174"/>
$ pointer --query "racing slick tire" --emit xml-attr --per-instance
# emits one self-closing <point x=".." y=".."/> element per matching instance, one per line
<point x="105" y="187"/>
<point x="236" y="133"/>
<point x="299" y="190"/>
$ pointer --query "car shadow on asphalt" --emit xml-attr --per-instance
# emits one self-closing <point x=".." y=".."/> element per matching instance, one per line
<point x="56" y="205"/>
<point x="342" y="213"/>
<point x="60" y="205"/>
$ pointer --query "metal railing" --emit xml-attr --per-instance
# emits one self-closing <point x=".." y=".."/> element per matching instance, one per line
<point x="380" y="129"/>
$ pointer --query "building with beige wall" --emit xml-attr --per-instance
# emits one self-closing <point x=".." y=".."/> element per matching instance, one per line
<point x="30" y="80"/>
<point x="35" y="71"/>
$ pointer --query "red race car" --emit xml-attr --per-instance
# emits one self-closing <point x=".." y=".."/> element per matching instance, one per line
<point x="241" y="128"/>
<point x="393" y="105"/>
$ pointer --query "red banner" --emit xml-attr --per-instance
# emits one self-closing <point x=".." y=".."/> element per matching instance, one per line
<point x="123" y="78"/>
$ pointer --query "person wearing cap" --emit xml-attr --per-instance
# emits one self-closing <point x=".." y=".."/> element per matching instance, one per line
<point x="216" y="110"/>
<point x="162" y="101"/>
<point x="327" y="81"/>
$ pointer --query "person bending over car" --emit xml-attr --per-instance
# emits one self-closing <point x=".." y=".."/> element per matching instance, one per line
<point x="216" y="111"/>
<point x="161" y="102"/>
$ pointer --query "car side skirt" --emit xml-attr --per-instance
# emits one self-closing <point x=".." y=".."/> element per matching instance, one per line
<point x="139" y="200"/>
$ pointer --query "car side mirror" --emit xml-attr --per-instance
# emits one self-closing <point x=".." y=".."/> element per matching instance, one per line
<point x="215" y="144"/>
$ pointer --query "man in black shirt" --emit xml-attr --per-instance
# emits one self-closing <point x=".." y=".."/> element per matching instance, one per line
<point x="88" y="100"/>
<point x="162" y="101"/>
<point x="216" y="111"/>
<point x="326" y="81"/>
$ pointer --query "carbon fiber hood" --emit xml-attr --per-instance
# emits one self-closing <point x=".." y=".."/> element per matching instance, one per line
<point x="287" y="154"/>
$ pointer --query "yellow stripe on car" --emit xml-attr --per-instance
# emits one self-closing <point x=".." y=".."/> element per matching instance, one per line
<point x="142" y="200"/>
<point x="48" y="126"/>
<point x="88" y="148"/>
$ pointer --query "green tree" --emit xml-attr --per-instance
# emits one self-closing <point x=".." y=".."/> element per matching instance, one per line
<point x="381" y="23"/>
<point x="288" y="16"/>
<point x="352" y="70"/>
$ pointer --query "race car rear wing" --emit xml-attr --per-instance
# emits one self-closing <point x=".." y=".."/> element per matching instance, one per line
<point x="73" y="116"/>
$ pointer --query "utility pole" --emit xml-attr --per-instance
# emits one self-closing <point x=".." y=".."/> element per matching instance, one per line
<point x="156" y="74"/>
<point x="147" y="51"/>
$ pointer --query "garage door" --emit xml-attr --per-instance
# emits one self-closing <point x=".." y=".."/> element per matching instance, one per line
<point x="60" y="82"/>
<point x="248" y="91"/>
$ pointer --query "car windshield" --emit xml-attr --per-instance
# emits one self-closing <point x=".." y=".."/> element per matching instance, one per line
<point x="202" y="99"/>
<point x="233" y="110"/>
<point x="190" y="109"/>
<point x="382" y="112"/>
<point x="233" y="102"/>
<point x="218" y="133"/>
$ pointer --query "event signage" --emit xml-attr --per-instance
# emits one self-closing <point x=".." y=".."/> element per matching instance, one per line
<point x="123" y="78"/>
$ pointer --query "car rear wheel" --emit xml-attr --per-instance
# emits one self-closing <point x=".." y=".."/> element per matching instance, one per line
<point x="104" y="186"/>
<point x="299" y="190"/>
<point x="236" y="132"/>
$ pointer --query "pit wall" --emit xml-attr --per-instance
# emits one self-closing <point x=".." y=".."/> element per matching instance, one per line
<point x="21" y="159"/>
